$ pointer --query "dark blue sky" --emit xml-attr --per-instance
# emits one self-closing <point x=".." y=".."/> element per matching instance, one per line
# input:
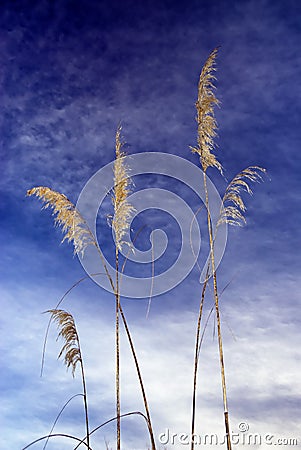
<point x="70" y="71"/>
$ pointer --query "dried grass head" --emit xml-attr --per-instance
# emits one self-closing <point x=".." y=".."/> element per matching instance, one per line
<point x="68" y="217"/>
<point x="123" y="210"/>
<point x="67" y="331"/>
<point x="233" y="207"/>
<point x="207" y="125"/>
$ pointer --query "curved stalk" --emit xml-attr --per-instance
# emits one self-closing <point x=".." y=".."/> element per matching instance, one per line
<point x="58" y="416"/>
<point x="109" y="421"/>
<point x="69" y="436"/>
<point x="196" y="359"/>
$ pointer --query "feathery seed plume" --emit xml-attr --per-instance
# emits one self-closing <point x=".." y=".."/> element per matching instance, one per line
<point x="123" y="210"/>
<point x="205" y="115"/>
<point x="68" y="333"/>
<point x="233" y="207"/>
<point x="73" y="224"/>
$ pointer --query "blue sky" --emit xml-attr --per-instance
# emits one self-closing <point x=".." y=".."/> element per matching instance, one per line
<point x="70" y="72"/>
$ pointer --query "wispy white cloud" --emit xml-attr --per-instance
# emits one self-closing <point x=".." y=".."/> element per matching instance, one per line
<point x="262" y="367"/>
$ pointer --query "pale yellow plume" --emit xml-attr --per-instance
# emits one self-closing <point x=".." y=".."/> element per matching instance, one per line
<point x="73" y="225"/>
<point x="67" y="331"/>
<point x="207" y="125"/>
<point x="233" y="206"/>
<point x="123" y="210"/>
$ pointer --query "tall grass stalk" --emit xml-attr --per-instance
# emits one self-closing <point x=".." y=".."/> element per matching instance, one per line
<point x="121" y="221"/>
<point x="77" y="231"/>
<point x="117" y="297"/>
<point x="218" y="321"/>
<point x="207" y="126"/>
<point x="232" y="213"/>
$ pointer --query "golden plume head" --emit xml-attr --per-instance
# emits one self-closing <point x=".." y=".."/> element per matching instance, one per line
<point x="73" y="224"/>
<point x="207" y="125"/>
<point x="233" y="207"/>
<point x="67" y="331"/>
<point x="123" y="210"/>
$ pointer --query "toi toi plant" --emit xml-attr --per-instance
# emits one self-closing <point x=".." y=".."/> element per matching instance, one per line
<point x="79" y="230"/>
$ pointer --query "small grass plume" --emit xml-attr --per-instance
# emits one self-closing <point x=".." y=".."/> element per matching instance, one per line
<point x="70" y="349"/>
<point x="73" y="225"/>
<point x="71" y="352"/>
<point x="233" y="206"/>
